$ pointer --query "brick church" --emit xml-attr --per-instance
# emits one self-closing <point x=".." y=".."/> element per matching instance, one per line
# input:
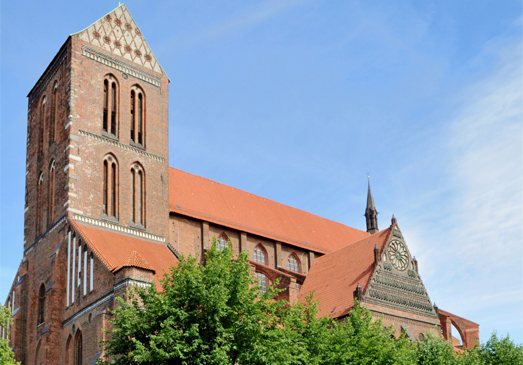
<point x="103" y="210"/>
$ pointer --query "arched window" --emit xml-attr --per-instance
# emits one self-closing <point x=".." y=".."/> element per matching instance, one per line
<point x="110" y="186"/>
<point x="42" y="122"/>
<point x="221" y="243"/>
<point x="41" y="304"/>
<point x="110" y="105"/>
<point x="68" y="350"/>
<point x="52" y="119"/>
<point x="137" y="115"/>
<point x="39" y="203"/>
<point x="138" y="194"/>
<point x="293" y="263"/>
<point x="259" y="254"/>
<point x="50" y="194"/>
<point x="262" y="282"/>
<point x="78" y="348"/>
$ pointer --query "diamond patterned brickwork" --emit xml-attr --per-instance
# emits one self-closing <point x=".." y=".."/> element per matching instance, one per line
<point x="118" y="33"/>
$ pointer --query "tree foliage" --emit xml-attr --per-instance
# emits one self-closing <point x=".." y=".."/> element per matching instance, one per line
<point x="6" y="355"/>
<point x="214" y="314"/>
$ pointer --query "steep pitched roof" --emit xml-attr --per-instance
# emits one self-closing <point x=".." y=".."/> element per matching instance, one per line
<point x="117" y="250"/>
<point x="117" y="33"/>
<point x="334" y="277"/>
<point x="205" y="199"/>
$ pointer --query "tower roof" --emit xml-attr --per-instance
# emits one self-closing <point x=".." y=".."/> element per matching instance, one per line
<point x="370" y="199"/>
<point x="117" y="33"/>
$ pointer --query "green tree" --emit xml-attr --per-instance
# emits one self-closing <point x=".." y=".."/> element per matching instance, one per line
<point x="6" y="355"/>
<point x="501" y="351"/>
<point x="205" y="314"/>
<point x="436" y="351"/>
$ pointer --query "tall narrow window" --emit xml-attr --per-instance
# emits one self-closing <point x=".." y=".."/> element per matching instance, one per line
<point x="105" y="183"/>
<point x="91" y="272"/>
<point x="138" y="115"/>
<point x="50" y="194"/>
<point x="106" y="104"/>
<point x="110" y="186"/>
<point x="113" y="108"/>
<point x="262" y="282"/>
<point x="73" y="267"/>
<point x="78" y="348"/>
<point x="68" y="290"/>
<point x="42" y="122"/>
<point x="52" y="119"/>
<point x="259" y="255"/>
<point x="133" y="97"/>
<point x="39" y="200"/>
<point x="79" y="266"/>
<point x="113" y="189"/>
<point x="68" y="350"/>
<point x="85" y="270"/>
<point x="41" y="304"/>
<point x="292" y="263"/>
<point x="137" y="194"/>
<point x="110" y="106"/>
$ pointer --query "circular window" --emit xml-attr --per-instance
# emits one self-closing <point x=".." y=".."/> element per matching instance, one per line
<point x="421" y="337"/>
<point x="398" y="255"/>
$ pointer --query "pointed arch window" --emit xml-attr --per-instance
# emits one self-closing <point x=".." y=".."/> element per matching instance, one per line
<point x="42" y="122"/>
<point x="41" y="304"/>
<point x="52" y="119"/>
<point x="68" y="350"/>
<point x="137" y="115"/>
<point x="138" y="194"/>
<point x="110" y="105"/>
<point x="50" y="193"/>
<point x="110" y="186"/>
<point x="262" y="282"/>
<point x="78" y="351"/>
<point x="293" y="263"/>
<point x="259" y="254"/>
<point x="221" y="242"/>
<point x="39" y="203"/>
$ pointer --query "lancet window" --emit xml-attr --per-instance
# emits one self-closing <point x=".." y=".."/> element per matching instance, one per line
<point x="110" y="105"/>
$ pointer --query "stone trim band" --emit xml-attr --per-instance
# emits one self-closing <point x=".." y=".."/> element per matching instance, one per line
<point x="119" y="228"/>
<point x="120" y="66"/>
<point x="121" y="145"/>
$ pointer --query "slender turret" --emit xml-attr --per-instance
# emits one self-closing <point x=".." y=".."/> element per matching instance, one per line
<point x="371" y="214"/>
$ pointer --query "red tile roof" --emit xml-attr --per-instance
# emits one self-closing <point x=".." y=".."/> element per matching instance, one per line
<point x="117" y="250"/>
<point x="334" y="277"/>
<point x="205" y="199"/>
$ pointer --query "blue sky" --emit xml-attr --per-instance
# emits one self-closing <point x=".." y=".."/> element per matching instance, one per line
<point x="296" y="100"/>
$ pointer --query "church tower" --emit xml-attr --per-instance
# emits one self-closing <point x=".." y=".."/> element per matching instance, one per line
<point x="371" y="214"/>
<point x="97" y="190"/>
<point x="98" y="133"/>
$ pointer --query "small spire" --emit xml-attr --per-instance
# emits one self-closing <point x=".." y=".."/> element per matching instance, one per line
<point x="393" y="221"/>
<point x="371" y="214"/>
<point x="358" y="293"/>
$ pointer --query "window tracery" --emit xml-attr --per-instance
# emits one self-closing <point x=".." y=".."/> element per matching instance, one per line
<point x="259" y="254"/>
<point x="110" y="186"/>
<point x="110" y="105"/>
<point x="137" y="115"/>
<point x="293" y="263"/>
<point x="138" y="194"/>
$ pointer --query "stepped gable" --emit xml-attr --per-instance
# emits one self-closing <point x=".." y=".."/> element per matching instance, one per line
<point x="117" y="250"/>
<point x="201" y="198"/>
<point x="117" y="33"/>
<point x="334" y="277"/>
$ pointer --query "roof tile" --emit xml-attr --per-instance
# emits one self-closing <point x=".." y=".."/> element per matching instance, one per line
<point x="334" y="277"/>
<point x="205" y="199"/>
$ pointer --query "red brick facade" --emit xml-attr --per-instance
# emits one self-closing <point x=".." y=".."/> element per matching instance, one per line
<point x="104" y="210"/>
